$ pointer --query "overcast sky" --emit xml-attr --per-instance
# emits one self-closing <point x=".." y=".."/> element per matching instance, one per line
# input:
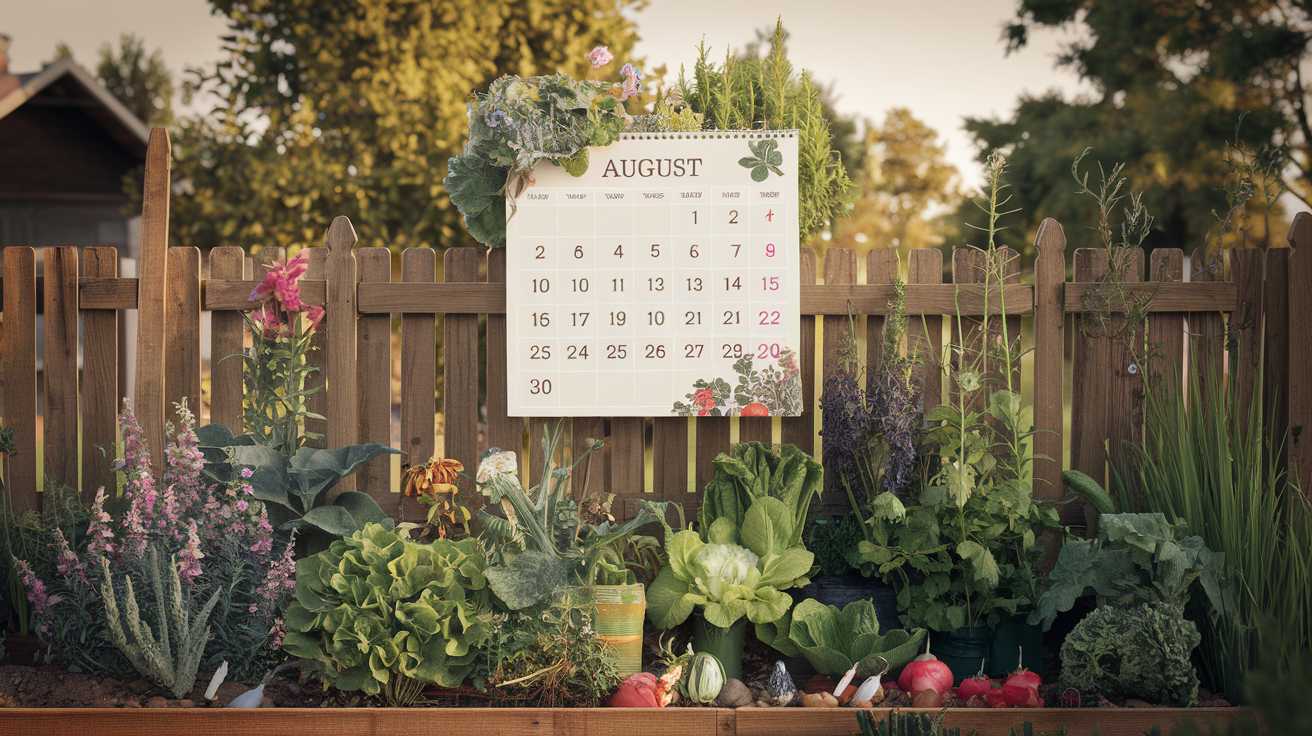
<point x="941" y="58"/>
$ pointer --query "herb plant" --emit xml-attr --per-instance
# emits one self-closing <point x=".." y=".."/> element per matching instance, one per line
<point x="553" y="657"/>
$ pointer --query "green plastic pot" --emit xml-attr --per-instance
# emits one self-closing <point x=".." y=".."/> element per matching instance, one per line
<point x="726" y="644"/>
<point x="1011" y="637"/>
<point x="618" y="619"/>
<point x="963" y="650"/>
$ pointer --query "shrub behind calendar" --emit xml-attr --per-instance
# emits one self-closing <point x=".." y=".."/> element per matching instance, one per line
<point x="662" y="281"/>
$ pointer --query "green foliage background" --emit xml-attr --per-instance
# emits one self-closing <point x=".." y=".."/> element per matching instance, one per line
<point x="329" y="108"/>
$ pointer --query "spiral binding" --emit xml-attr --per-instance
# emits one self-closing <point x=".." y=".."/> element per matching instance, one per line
<point x="709" y="135"/>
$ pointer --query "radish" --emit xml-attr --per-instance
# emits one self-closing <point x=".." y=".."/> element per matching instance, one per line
<point x="925" y="672"/>
<point x="1021" y="688"/>
<point x="977" y="684"/>
<point x="1022" y="676"/>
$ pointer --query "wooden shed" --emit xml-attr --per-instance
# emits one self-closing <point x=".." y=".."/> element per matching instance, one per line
<point x="66" y="145"/>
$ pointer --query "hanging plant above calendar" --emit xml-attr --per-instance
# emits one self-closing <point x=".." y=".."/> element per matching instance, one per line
<point x="662" y="279"/>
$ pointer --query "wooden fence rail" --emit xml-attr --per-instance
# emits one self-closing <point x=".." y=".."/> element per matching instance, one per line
<point x="1258" y="304"/>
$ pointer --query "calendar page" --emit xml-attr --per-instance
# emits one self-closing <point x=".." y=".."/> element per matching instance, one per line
<point x="663" y="281"/>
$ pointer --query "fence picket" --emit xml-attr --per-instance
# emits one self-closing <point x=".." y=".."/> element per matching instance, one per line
<point x="182" y="334"/>
<point x="669" y="456"/>
<point x="100" y="336"/>
<point x="60" y="370"/>
<point x="460" y="365"/>
<point x="626" y="464"/>
<point x="1246" y="269"/>
<point x="1300" y="350"/>
<point x="1125" y="382"/>
<point x="152" y="288"/>
<point x="374" y="378"/>
<point x="800" y="431"/>
<point x="1166" y="329"/>
<point x="967" y="332"/>
<point x="881" y="268"/>
<point x="1091" y="359"/>
<point x="343" y="411"/>
<point x="317" y="402"/>
<point x="840" y="268"/>
<point x="18" y="362"/>
<point x="1276" y="365"/>
<point x="418" y="372"/>
<point x="503" y="431"/>
<point x="227" y="341"/>
<point x="1206" y="329"/>
<point x="1049" y="358"/>
<point x="925" y="334"/>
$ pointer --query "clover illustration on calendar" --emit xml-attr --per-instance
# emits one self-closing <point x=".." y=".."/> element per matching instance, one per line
<point x="662" y="281"/>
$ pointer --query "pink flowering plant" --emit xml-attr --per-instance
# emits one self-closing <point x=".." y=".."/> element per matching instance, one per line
<point x="276" y="370"/>
<point x="217" y="535"/>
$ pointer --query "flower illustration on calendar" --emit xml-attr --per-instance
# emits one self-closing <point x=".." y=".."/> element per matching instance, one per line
<point x="765" y="158"/>
<point x="774" y="388"/>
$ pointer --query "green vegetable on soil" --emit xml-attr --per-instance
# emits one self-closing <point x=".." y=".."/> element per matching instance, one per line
<point x="1142" y="651"/>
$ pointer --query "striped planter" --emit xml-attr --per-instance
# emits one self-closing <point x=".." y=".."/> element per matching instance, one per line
<point x="620" y="612"/>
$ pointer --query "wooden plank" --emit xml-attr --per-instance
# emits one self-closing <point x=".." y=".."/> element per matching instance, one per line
<point x="1247" y="269"/>
<point x="152" y="286"/>
<point x="60" y="425"/>
<point x="669" y="456"/>
<point x="1300" y="350"/>
<point x="317" y="402"/>
<point x="1091" y="368"/>
<point x="591" y="477"/>
<point x="1206" y="351"/>
<point x="1125" y="381"/>
<point x="227" y="341"/>
<point x="1049" y="358"/>
<point x="182" y="363"/>
<point x="375" y="721"/>
<point x="374" y="378"/>
<point x="18" y="371"/>
<point x="712" y="439"/>
<point x="100" y="336"/>
<point x="1275" y="379"/>
<point x="925" y="333"/>
<point x="344" y="408"/>
<point x="503" y="431"/>
<point x="989" y="722"/>
<point x="816" y="300"/>
<point x="800" y="431"/>
<point x="101" y="292"/>
<point x="1168" y="297"/>
<point x="1166" y="329"/>
<point x="234" y="293"/>
<point x="840" y="268"/>
<point x="626" y="463"/>
<point x="881" y="268"/>
<point x="460" y="366"/>
<point x="418" y="372"/>
<point x="968" y="341"/>
<point x="1011" y="330"/>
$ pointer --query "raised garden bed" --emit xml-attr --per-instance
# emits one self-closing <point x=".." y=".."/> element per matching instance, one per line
<point x="576" y="721"/>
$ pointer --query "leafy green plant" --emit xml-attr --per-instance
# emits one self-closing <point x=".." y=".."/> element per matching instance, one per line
<point x="767" y="93"/>
<point x="1211" y="461"/>
<point x="553" y="657"/>
<point x="296" y="490"/>
<point x="1142" y="651"/>
<point x="833" y="640"/>
<point x="169" y="654"/>
<point x="765" y="159"/>
<point x="753" y="471"/>
<point x="831" y="539"/>
<point x="1136" y="558"/>
<point x="543" y="542"/>
<point x="729" y="580"/>
<point x="378" y="612"/>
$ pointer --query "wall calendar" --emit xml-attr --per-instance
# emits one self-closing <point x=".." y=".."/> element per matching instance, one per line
<point x="664" y="281"/>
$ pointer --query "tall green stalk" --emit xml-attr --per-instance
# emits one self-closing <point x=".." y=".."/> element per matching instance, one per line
<point x="1218" y="468"/>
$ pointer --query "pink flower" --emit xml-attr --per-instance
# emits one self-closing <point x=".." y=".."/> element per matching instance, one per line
<point x="631" y="78"/>
<point x="190" y="556"/>
<point x="599" y="57"/>
<point x="247" y="472"/>
<point x="67" y="563"/>
<point x="267" y="320"/>
<point x="100" y="538"/>
<point x="242" y="505"/>
<point x="278" y="582"/>
<point x="282" y="281"/>
<point x="36" y="590"/>
<point x="315" y="315"/>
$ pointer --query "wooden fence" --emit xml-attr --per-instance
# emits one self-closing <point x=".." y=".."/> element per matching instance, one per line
<point x="1261" y="304"/>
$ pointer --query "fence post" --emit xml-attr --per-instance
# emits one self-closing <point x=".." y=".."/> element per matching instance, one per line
<point x="344" y="406"/>
<point x="1300" y="350"/>
<point x="18" y="363"/>
<point x="152" y="283"/>
<point x="1049" y="358"/>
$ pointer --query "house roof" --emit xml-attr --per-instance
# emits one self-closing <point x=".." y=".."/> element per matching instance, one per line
<point x="118" y="121"/>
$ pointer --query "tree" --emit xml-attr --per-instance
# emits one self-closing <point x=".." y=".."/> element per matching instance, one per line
<point x="1171" y="80"/>
<point x="328" y="108"/>
<point x="140" y="80"/>
<point x="905" y="185"/>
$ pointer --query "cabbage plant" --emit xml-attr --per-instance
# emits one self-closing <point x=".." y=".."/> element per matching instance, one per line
<point x="734" y="573"/>
<point x="377" y="610"/>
